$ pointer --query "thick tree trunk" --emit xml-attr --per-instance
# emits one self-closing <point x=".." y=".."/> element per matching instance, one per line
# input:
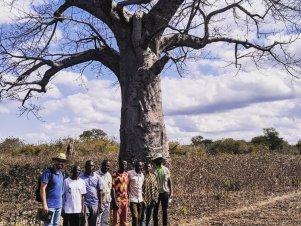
<point x="142" y="130"/>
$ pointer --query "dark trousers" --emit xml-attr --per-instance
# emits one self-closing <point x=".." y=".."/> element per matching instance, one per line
<point x="90" y="216"/>
<point x="147" y="213"/>
<point x="163" y="199"/>
<point x="72" y="219"/>
<point x="136" y="210"/>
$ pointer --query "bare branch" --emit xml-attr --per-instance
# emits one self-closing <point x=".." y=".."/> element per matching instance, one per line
<point x="106" y="56"/>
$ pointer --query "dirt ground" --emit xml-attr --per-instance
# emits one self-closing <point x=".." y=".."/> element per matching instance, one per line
<point x="284" y="209"/>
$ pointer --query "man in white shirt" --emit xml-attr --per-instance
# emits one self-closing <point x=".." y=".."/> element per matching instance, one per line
<point x="106" y="178"/>
<point x="73" y="190"/>
<point x="136" y="179"/>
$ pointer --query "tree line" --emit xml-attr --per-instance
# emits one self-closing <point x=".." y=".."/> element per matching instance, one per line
<point x="97" y="140"/>
<point x="269" y="141"/>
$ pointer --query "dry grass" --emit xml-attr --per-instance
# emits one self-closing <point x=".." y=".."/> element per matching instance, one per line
<point x="259" y="189"/>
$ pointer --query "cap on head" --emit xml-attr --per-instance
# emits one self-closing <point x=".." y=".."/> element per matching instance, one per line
<point x="157" y="156"/>
<point x="60" y="157"/>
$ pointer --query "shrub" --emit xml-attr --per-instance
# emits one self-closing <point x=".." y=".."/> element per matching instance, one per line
<point x="10" y="144"/>
<point x="230" y="146"/>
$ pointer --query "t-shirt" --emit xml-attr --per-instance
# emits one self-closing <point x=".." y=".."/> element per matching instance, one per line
<point x="163" y="174"/>
<point x="54" y="188"/>
<point x="120" y="184"/>
<point x="135" y="186"/>
<point x="93" y="186"/>
<point x="72" y="195"/>
<point x="106" y="179"/>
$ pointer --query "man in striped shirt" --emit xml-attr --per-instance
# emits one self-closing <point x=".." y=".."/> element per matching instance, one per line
<point x="150" y="194"/>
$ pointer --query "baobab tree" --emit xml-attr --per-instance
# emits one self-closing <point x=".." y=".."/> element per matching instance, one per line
<point x="136" y="40"/>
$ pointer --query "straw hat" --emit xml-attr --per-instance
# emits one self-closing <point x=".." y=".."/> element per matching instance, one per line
<point x="61" y="157"/>
<point x="157" y="156"/>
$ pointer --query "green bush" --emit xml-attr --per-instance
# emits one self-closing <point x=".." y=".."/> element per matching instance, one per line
<point x="230" y="146"/>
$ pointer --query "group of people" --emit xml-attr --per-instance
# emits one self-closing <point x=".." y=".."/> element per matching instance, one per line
<point x="86" y="197"/>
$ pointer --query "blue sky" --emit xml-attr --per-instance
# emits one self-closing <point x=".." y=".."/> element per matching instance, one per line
<point x="210" y="100"/>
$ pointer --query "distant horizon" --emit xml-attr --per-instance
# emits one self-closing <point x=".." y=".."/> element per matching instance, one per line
<point x="115" y="139"/>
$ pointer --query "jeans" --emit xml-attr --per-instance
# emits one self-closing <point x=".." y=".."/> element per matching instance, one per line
<point x="146" y="210"/>
<point x="163" y="199"/>
<point x="120" y="214"/>
<point x="56" y="217"/>
<point x="104" y="217"/>
<point x="136" y="210"/>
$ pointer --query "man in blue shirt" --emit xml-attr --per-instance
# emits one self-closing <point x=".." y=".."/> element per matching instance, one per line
<point x="92" y="203"/>
<point x="52" y="189"/>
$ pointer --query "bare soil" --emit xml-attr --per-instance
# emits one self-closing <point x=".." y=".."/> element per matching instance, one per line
<point x="277" y="210"/>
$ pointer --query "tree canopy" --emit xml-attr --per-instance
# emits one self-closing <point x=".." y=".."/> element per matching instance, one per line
<point x="92" y="134"/>
<point x="270" y="139"/>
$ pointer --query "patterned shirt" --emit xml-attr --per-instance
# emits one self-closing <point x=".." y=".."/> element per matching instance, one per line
<point x="150" y="189"/>
<point x="120" y="184"/>
<point x="163" y="174"/>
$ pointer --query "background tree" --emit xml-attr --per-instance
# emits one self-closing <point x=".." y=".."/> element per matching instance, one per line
<point x="136" y="42"/>
<point x="270" y="139"/>
<point x="196" y="140"/>
<point x="92" y="134"/>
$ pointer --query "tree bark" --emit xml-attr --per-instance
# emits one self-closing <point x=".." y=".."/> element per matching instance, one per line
<point x="142" y="130"/>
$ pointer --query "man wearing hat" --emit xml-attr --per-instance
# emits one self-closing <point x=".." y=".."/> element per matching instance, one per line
<point x="165" y="188"/>
<point x="51" y="189"/>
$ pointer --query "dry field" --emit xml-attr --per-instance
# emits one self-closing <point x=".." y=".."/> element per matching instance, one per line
<point x="253" y="189"/>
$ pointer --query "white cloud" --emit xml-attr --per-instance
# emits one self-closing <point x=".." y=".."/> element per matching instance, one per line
<point x="209" y="94"/>
<point x="69" y="79"/>
<point x="9" y="11"/>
